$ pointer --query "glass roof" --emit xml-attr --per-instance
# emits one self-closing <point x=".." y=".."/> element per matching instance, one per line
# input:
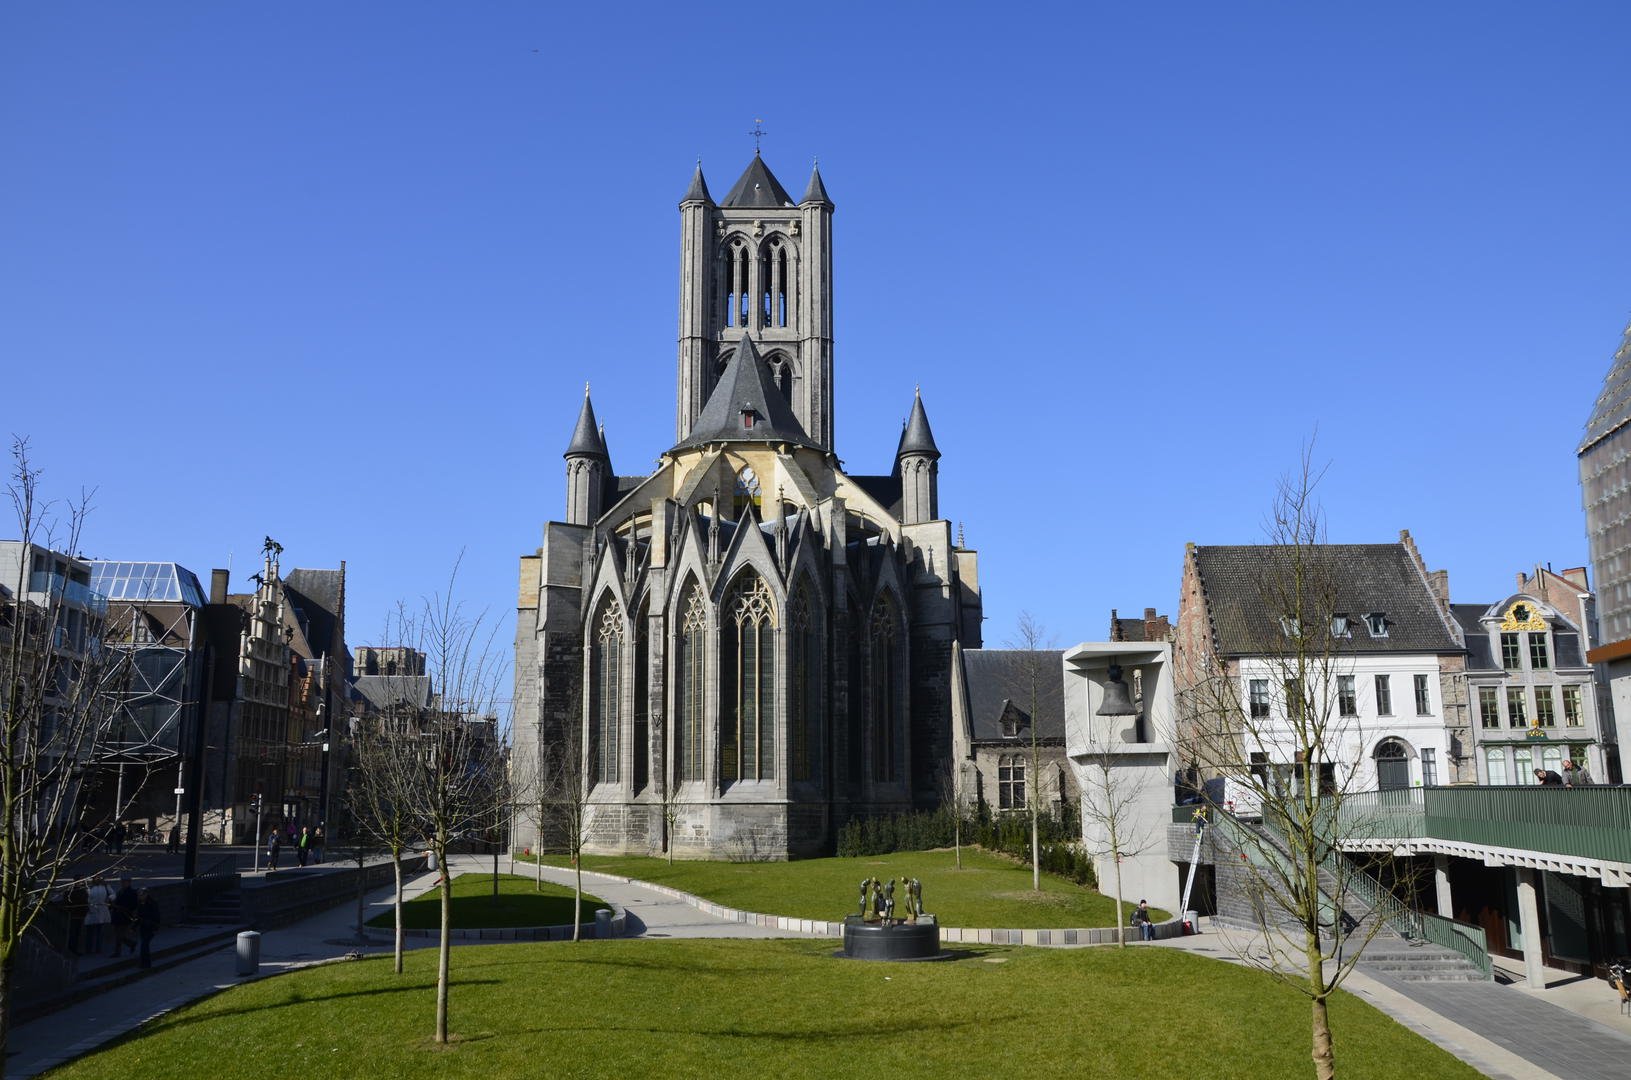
<point x="155" y="582"/>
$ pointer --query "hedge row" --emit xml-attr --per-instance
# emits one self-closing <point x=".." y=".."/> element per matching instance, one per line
<point x="1010" y="834"/>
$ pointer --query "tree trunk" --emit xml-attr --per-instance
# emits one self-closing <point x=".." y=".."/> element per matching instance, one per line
<point x="1325" y="1065"/>
<point x="445" y="948"/>
<point x="538" y="864"/>
<point x="495" y="871"/>
<point x="957" y="836"/>
<point x="1036" y="852"/>
<point x="577" y="896"/>
<point x="397" y="904"/>
<point x="7" y="976"/>
<point x="362" y="894"/>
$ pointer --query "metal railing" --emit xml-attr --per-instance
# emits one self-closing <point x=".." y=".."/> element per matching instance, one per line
<point x="59" y="587"/>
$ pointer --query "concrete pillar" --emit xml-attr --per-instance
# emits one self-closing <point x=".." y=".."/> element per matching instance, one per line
<point x="1529" y="926"/>
<point x="1441" y="883"/>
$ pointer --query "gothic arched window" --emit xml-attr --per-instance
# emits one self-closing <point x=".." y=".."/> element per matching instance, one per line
<point x="642" y="700"/>
<point x="689" y="700"/>
<point x="605" y="667"/>
<point x="773" y="283"/>
<point x="738" y="268"/>
<point x="747" y="653"/>
<point x="804" y="728"/>
<point x="884" y="690"/>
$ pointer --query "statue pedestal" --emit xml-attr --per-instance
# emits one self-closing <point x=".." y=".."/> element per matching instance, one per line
<point x="901" y="941"/>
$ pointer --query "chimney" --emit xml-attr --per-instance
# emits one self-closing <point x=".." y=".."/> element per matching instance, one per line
<point x="218" y="586"/>
<point x="1521" y="580"/>
<point x="1149" y="614"/>
<point x="1439" y="582"/>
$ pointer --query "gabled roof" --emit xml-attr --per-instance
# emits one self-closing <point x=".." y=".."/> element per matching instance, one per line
<point x="757" y="189"/>
<point x="316" y="598"/>
<point x="1613" y="406"/>
<point x="999" y="682"/>
<point x="816" y="191"/>
<point x="917" y="438"/>
<point x="1241" y="582"/>
<point x="698" y="191"/>
<point x="586" y="437"/>
<point x="745" y="389"/>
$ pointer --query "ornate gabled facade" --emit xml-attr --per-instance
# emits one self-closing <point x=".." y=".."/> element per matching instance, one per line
<point x="750" y="645"/>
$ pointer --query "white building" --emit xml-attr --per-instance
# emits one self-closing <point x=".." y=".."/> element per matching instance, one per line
<point x="1381" y="662"/>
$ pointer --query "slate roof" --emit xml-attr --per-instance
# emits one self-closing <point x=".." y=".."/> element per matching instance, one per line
<point x="757" y="189"/>
<point x="1613" y="406"/>
<point x="1000" y="679"/>
<point x="586" y="437"/>
<point x="384" y="691"/>
<point x="316" y="598"/>
<point x="1481" y="654"/>
<point x="698" y="191"/>
<point x="917" y="438"/>
<point x="745" y="387"/>
<point x="1240" y="581"/>
<point x="885" y="489"/>
<point x="816" y="192"/>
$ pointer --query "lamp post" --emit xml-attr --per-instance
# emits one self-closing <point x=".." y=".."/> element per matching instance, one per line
<point x="322" y="790"/>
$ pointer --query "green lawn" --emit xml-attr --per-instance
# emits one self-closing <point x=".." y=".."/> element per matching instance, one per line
<point x="519" y="903"/>
<point x="989" y="891"/>
<point x="787" y="1009"/>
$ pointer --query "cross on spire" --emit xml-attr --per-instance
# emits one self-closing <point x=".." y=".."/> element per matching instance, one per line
<point x="757" y="133"/>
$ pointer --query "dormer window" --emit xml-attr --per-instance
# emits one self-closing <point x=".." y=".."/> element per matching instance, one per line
<point x="748" y="416"/>
<point x="1011" y="720"/>
<point x="1376" y="622"/>
<point x="1290" y="625"/>
<point x="1340" y="626"/>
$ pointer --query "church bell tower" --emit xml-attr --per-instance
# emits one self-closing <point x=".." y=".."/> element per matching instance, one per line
<point x="759" y="264"/>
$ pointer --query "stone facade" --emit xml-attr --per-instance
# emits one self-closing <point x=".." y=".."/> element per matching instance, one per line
<point x="749" y="645"/>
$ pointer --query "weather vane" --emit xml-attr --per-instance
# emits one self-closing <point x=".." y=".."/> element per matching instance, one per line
<point x="757" y="133"/>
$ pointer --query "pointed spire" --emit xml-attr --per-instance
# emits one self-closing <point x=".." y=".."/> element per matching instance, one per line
<point x="816" y="192"/>
<point x="587" y="441"/>
<point x="698" y="191"/>
<point x="917" y="438"/>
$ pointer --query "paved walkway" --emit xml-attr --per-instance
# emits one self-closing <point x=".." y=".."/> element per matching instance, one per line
<point x="1505" y="1032"/>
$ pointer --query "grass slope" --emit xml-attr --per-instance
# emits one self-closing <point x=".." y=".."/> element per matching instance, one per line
<point x="519" y="903"/>
<point x="787" y="1009"/>
<point x="990" y="891"/>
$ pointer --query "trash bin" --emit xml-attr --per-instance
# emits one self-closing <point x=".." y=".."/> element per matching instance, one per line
<point x="1192" y="922"/>
<point x="249" y="952"/>
<point x="603" y="923"/>
<point x="430" y="859"/>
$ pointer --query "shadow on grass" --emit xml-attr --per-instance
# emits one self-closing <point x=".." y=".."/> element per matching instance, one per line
<point x="860" y="1028"/>
<point x="297" y="998"/>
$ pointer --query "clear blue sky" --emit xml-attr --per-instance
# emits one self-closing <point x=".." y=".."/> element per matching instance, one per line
<point x="338" y="272"/>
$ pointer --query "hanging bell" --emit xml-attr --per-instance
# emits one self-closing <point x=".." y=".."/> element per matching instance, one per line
<point x="1117" y="702"/>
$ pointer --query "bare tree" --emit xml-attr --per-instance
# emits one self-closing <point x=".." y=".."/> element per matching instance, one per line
<point x="563" y="782"/>
<point x="953" y="780"/>
<point x="461" y="753"/>
<point x="1031" y="641"/>
<point x="386" y="791"/>
<point x="58" y="693"/>
<point x="1277" y="723"/>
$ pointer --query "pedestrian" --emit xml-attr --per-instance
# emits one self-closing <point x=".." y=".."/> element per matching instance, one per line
<point x="1576" y="775"/>
<point x="1548" y="778"/>
<point x="1142" y="920"/>
<point x="175" y="839"/>
<point x="147" y="924"/>
<point x="302" y="849"/>
<point x="317" y="845"/>
<point x="124" y="916"/>
<point x="76" y="906"/>
<point x="116" y="838"/>
<point x="274" y="844"/>
<point x="98" y="913"/>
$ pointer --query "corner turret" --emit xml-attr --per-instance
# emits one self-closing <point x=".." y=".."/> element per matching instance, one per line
<point x="587" y="466"/>
<point x="918" y="461"/>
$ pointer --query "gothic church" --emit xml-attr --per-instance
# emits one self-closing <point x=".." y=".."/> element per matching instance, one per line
<point x="750" y="645"/>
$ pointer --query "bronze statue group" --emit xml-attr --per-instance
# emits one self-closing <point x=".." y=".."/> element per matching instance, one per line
<point x="880" y="897"/>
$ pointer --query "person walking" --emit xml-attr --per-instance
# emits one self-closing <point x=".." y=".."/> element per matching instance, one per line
<point x="174" y="843"/>
<point x="1142" y="920"/>
<point x="302" y="849"/>
<point x="274" y="845"/>
<point x="98" y="913"/>
<point x="317" y="845"/>
<point x="124" y="915"/>
<point x="75" y="906"/>
<point x="148" y="917"/>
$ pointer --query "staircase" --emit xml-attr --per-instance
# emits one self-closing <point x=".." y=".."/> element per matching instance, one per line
<point x="1394" y="957"/>
<point x="225" y="908"/>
